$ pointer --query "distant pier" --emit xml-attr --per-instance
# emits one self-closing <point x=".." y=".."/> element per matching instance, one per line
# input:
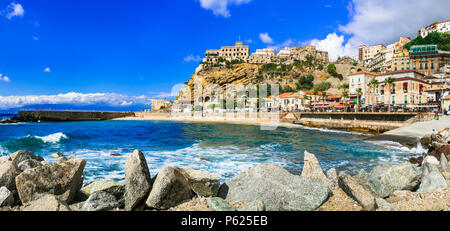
<point x="70" y="115"/>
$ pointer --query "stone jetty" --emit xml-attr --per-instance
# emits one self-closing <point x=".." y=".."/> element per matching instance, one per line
<point x="28" y="183"/>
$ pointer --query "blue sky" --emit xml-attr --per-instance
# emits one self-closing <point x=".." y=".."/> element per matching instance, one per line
<point x="135" y="50"/>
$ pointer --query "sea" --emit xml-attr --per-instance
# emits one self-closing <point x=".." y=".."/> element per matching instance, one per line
<point x="220" y="148"/>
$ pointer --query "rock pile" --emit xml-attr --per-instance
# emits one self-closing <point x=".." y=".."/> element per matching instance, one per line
<point x="438" y="145"/>
<point x="57" y="186"/>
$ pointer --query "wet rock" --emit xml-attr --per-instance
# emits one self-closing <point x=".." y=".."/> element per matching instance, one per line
<point x="47" y="203"/>
<point x="313" y="171"/>
<point x="431" y="160"/>
<point x="170" y="188"/>
<point x="444" y="149"/>
<point x="432" y="179"/>
<point x="110" y="186"/>
<point x="137" y="180"/>
<point x="100" y="201"/>
<point x="22" y="155"/>
<point x="63" y="178"/>
<point x="6" y="197"/>
<point x="332" y="175"/>
<point x="356" y="191"/>
<point x="383" y="205"/>
<point x="58" y="155"/>
<point x="278" y="189"/>
<point x="115" y="154"/>
<point x="219" y="204"/>
<point x="387" y="178"/>
<point x="27" y="164"/>
<point x="254" y="206"/>
<point x="203" y="184"/>
<point x="8" y="172"/>
<point x="426" y="141"/>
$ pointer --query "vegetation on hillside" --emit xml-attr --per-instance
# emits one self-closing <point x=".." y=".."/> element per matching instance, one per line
<point x="442" y="40"/>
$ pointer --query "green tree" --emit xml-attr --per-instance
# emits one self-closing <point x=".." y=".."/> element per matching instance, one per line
<point x="359" y="91"/>
<point x="331" y="69"/>
<point x="374" y="85"/>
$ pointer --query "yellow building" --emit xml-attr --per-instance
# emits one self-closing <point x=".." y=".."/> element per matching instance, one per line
<point x="401" y="61"/>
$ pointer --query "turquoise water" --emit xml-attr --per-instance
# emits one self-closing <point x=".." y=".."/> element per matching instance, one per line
<point x="224" y="149"/>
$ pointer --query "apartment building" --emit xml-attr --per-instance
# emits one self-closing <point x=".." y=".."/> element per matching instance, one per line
<point x="428" y="60"/>
<point x="401" y="60"/>
<point x="441" y="27"/>
<point x="262" y="56"/>
<point x="238" y="51"/>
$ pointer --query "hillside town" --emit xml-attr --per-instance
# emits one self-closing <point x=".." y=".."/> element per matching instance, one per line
<point x="396" y="77"/>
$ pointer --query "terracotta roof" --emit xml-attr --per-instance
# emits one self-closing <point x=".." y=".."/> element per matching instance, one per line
<point x="402" y="71"/>
<point x="311" y="93"/>
<point x="290" y="95"/>
<point x="334" y="97"/>
<point x="364" y="72"/>
<point x="410" y="78"/>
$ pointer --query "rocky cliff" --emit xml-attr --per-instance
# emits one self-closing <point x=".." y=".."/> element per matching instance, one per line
<point x="286" y="74"/>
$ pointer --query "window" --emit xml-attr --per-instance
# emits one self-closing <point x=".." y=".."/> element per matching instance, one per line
<point x="406" y="99"/>
<point x="426" y="66"/>
<point x="393" y="99"/>
<point x="432" y="65"/>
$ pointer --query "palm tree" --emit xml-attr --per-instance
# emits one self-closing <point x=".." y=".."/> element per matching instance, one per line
<point x="388" y="81"/>
<point x="345" y="96"/>
<point x="359" y="91"/>
<point x="373" y="84"/>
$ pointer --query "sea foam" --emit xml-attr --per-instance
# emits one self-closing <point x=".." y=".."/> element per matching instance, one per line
<point x="52" y="138"/>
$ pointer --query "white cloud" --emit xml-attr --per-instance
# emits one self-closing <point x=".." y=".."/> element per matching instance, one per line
<point x="14" y="10"/>
<point x="35" y="38"/>
<point x="161" y="95"/>
<point x="48" y="70"/>
<point x="110" y="99"/>
<point x="381" y="22"/>
<point x="5" y="78"/>
<point x="265" y="38"/>
<point x="192" y="58"/>
<point x="335" y="46"/>
<point x="220" y="7"/>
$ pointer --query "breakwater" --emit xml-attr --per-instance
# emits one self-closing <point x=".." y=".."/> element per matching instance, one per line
<point x="60" y="116"/>
<point x="361" y="122"/>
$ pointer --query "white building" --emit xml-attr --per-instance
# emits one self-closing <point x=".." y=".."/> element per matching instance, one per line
<point x="441" y="27"/>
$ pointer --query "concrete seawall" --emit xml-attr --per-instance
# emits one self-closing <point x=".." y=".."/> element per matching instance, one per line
<point x="362" y="122"/>
<point x="61" y="116"/>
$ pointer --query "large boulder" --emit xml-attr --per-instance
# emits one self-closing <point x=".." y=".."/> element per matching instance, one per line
<point x="313" y="171"/>
<point x="278" y="189"/>
<point x="63" y="178"/>
<point x="100" y="201"/>
<point x="432" y="179"/>
<point x="356" y="191"/>
<point x="332" y="175"/>
<point x="8" y="172"/>
<point x="253" y="206"/>
<point x="110" y="186"/>
<point x="47" y="203"/>
<point x="137" y="180"/>
<point x="431" y="159"/>
<point x="6" y="197"/>
<point x="22" y="155"/>
<point x="169" y="189"/>
<point x="30" y="163"/>
<point x="203" y="184"/>
<point x="387" y="178"/>
<point x="219" y="204"/>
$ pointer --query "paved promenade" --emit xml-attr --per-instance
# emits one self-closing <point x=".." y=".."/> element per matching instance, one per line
<point x="420" y="129"/>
